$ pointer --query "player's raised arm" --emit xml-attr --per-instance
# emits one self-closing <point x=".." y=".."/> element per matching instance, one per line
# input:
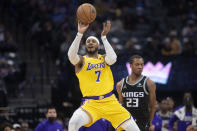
<point x="73" y="50"/>
<point x="111" y="56"/>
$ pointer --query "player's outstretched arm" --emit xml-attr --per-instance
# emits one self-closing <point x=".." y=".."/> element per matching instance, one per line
<point x="152" y="99"/>
<point x="73" y="50"/>
<point x="110" y="57"/>
<point x="118" y="88"/>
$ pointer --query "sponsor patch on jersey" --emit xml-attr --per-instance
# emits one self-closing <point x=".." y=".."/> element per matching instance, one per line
<point x="124" y="87"/>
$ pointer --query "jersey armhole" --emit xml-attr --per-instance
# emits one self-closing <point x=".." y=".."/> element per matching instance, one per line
<point x="104" y="59"/>
<point x="123" y="79"/>
<point x="146" y="90"/>
<point x="146" y="87"/>
<point x="83" y="65"/>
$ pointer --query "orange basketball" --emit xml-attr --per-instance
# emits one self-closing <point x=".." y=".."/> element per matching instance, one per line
<point x="86" y="13"/>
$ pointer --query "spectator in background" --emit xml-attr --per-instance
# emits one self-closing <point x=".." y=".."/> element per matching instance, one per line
<point x="4" y="115"/>
<point x="115" y="44"/>
<point x="151" y="48"/>
<point x="172" y="45"/>
<point x="3" y="93"/>
<point x="6" y="127"/>
<point x="132" y="46"/>
<point x="50" y="124"/>
<point x="157" y="123"/>
<point x="17" y="127"/>
<point x="7" y="43"/>
<point x="117" y="21"/>
<point x="157" y="108"/>
<point x="175" y="43"/>
<point x="2" y="34"/>
<point x="157" y="120"/>
<point x="58" y="15"/>
<point x="170" y="102"/>
<point x="25" y="126"/>
<point x="10" y="44"/>
<point x="188" y="28"/>
<point x="139" y="7"/>
<point x="164" y="114"/>
<point x="184" y="114"/>
<point x="11" y="81"/>
<point x="189" y="45"/>
<point x="191" y="128"/>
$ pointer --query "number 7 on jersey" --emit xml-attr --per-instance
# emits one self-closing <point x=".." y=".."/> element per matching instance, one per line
<point x="98" y="73"/>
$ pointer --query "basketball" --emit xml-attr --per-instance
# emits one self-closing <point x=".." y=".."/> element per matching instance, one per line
<point x="86" y="13"/>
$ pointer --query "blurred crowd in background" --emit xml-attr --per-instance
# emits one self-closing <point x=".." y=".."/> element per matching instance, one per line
<point x="42" y="31"/>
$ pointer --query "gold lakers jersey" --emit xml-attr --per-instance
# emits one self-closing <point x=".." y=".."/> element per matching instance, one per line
<point x="95" y="77"/>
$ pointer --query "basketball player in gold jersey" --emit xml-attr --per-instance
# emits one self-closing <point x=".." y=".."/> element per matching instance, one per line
<point x="96" y="84"/>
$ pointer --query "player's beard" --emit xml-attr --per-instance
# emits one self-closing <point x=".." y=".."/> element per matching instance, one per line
<point x="92" y="52"/>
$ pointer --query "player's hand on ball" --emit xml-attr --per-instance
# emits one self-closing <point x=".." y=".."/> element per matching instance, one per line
<point x="106" y="28"/>
<point x="82" y="27"/>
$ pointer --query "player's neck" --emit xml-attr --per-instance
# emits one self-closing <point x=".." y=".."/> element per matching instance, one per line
<point x="95" y="55"/>
<point x="134" y="77"/>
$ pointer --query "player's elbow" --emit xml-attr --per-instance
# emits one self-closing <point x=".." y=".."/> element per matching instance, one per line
<point x="70" y="56"/>
<point x="111" y="60"/>
<point x="74" y="59"/>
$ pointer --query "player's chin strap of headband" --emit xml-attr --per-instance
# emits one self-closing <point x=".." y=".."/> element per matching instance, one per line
<point x="93" y="37"/>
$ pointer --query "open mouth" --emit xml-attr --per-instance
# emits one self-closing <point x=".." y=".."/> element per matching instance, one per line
<point x="90" y="47"/>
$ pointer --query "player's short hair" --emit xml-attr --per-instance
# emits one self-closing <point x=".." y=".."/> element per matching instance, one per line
<point x="131" y="59"/>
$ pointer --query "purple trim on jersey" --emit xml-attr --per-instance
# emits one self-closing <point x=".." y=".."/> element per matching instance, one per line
<point x="124" y="121"/>
<point x="99" y="97"/>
